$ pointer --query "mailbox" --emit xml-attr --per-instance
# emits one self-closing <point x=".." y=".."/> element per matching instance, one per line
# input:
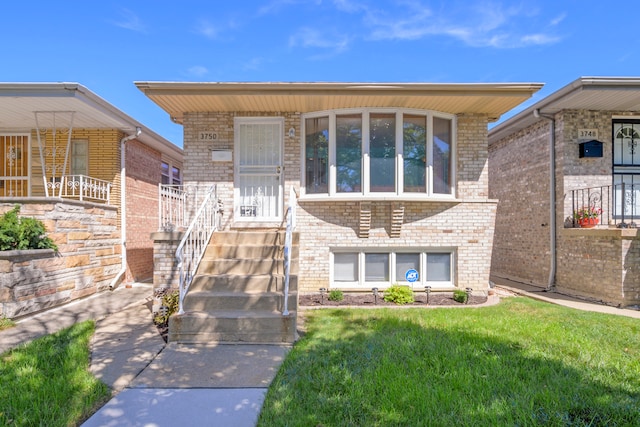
<point x="591" y="148"/>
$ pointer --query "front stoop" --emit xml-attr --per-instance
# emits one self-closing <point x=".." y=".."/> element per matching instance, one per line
<point x="237" y="295"/>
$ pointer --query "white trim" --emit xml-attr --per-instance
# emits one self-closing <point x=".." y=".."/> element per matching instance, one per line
<point x="365" y="193"/>
<point x="236" y="168"/>
<point x="423" y="252"/>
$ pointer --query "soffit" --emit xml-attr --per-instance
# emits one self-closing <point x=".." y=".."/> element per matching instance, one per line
<point x="180" y="98"/>
<point x="26" y="106"/>
<point x="616" y="94"/>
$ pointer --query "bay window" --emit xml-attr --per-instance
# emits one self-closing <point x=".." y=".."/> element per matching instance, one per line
<point x="378" y="152"/>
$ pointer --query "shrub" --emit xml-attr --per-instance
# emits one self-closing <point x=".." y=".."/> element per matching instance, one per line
<point x="460" y="296"/>
<point x="170" y="304"/>
<point x="399" y="294"/>
<point x="23" y="233"/>
<point x="336" y="295"/>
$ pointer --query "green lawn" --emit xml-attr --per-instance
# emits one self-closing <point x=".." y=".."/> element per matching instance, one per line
<point x="520" y="363"/>
<point x="47" y="382"/>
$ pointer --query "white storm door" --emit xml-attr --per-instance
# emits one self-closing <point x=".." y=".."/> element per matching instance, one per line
<point x="258" y="169"/>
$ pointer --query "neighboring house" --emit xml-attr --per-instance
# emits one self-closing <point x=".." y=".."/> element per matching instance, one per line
<point x="64" y="153"/>
<point x="388" y="177"/>
<point x="576" y="149"/>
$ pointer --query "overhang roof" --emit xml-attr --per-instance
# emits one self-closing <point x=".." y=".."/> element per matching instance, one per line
<point x="178" y="98"/>
<point x="585" y="93"/>
<point x="54" y="102"/>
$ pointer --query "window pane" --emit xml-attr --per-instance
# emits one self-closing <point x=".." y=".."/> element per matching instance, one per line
<point x="79" y="157"/>
<point x="176" y="176"/>
<point x="382" y="152"/>
<point x="405" y="262"/>
<point x="441" y="156"/>
<point x="317" y="154"/>
<point x="376" y="267"/>
<point x="438" y="267"/>
<point x="345" y="267"/>
<point x="415" y="154"/>
<point x="348" y="153"/>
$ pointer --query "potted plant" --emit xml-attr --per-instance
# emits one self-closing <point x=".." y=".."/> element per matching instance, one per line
<point x="587" y="216"/>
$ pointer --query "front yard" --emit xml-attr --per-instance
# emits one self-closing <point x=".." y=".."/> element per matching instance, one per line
<point x="521" y="362"/>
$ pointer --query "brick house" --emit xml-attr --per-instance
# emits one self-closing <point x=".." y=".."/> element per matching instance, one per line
<point x="388" y="177"/>
<point x="65" y="152"/>
<point x="572" y="151"/>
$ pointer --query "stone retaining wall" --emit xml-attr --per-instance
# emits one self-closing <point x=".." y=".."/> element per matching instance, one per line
<point x="88" y="260"/>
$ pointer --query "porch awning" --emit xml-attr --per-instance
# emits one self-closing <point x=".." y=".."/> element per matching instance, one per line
<point x="492" y="99"/>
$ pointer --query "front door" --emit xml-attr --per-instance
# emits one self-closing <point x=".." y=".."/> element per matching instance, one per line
<point x="14" y="165"/>
<point x="626" y="168"/>
<point x="258" y="169"/>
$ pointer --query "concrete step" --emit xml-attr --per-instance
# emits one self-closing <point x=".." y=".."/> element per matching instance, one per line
<point x="210" y="301"/>
<point x="248" y="252"/>
<point x="244" y="266"/>
<point x="243" y="283"/>
<point x="275" y="237"/>
<point x="233" y="326"/>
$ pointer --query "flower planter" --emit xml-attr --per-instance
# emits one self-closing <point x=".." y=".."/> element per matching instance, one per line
<point x="588" y="222"/>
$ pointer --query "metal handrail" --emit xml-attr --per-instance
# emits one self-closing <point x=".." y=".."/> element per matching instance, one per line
<point x="82" y="187"/>
<point x="288" y="243"/>
<point x="615" y="204"/>
<point x="194" y="242"/>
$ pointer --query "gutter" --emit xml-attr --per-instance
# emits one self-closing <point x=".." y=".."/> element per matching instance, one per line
<point x="552" y="198"/>
<point x="123" y="208"/>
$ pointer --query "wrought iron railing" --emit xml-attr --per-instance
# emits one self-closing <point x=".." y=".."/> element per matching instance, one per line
<point x="615" y="204"/>
<point x="288" y="243"/>
<point x="195" y="241"/>
<point x="82" y="187"/>
<point x="178" y="204"/>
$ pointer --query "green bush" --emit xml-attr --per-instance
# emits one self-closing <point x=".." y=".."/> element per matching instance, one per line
<point x="399" y="294"/>
<point x="460" y="296"/>
<point x="170" y="304"/>
<point x="336" y="295"/>
<point x="23" y="233"/>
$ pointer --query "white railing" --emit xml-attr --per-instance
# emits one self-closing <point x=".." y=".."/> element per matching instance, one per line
<point x="288" y="243"/>
<point x="82" y="187"/>
<point x="195" y="241"/>
<point x="177" y="204"/>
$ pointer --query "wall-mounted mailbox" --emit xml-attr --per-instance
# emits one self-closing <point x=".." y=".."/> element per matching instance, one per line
<point x="221" y="156"/>
<point x="591" y="148"/>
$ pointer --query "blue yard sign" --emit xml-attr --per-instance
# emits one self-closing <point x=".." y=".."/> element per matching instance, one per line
<point x="411" y="275"/>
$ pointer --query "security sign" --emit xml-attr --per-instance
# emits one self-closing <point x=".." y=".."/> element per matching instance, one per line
<point x="411" y="275"/>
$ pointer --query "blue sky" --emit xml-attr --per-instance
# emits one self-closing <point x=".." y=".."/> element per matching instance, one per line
<point x="107" y="45"/>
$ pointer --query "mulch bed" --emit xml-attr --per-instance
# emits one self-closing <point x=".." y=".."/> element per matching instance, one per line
<point x="368" y="300"/>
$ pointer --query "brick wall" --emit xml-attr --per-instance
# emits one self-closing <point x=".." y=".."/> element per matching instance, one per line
<point x="143" y="175"/>
<point x="465" y="226"/>
<point x="88" y="260"/>
<point x="596" y="263"/>
<point x="519" y="180"/>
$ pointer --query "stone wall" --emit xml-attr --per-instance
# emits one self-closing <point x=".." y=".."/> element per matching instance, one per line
<point x="89" y="256"/>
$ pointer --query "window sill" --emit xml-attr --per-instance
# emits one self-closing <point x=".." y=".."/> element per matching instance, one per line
<point x="377" y="198"/>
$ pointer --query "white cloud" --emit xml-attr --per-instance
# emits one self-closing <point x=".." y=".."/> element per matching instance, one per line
<point x="130" y="21"/>
<point x="198" y="71"/>
<point x="312" y="38"/>
<point x="207" y="29"/>
<point x="478" y="25"/>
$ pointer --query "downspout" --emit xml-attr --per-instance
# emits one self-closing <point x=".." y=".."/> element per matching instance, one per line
<point x="552" y="199"/>
<point x="123" y="207"/>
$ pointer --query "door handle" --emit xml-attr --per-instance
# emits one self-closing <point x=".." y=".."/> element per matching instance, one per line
<point x="278" y="168"/>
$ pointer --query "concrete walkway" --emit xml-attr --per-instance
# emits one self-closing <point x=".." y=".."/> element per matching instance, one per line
<point x="155" y="384"/>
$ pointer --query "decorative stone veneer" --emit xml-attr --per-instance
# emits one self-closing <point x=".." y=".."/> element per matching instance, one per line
<point x="88" y="260"/>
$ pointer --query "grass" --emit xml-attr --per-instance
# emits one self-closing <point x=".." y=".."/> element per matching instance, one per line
<point x="520" y="363"/>
<point x="6" y="323"/>
<point x="47" y="382"/>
